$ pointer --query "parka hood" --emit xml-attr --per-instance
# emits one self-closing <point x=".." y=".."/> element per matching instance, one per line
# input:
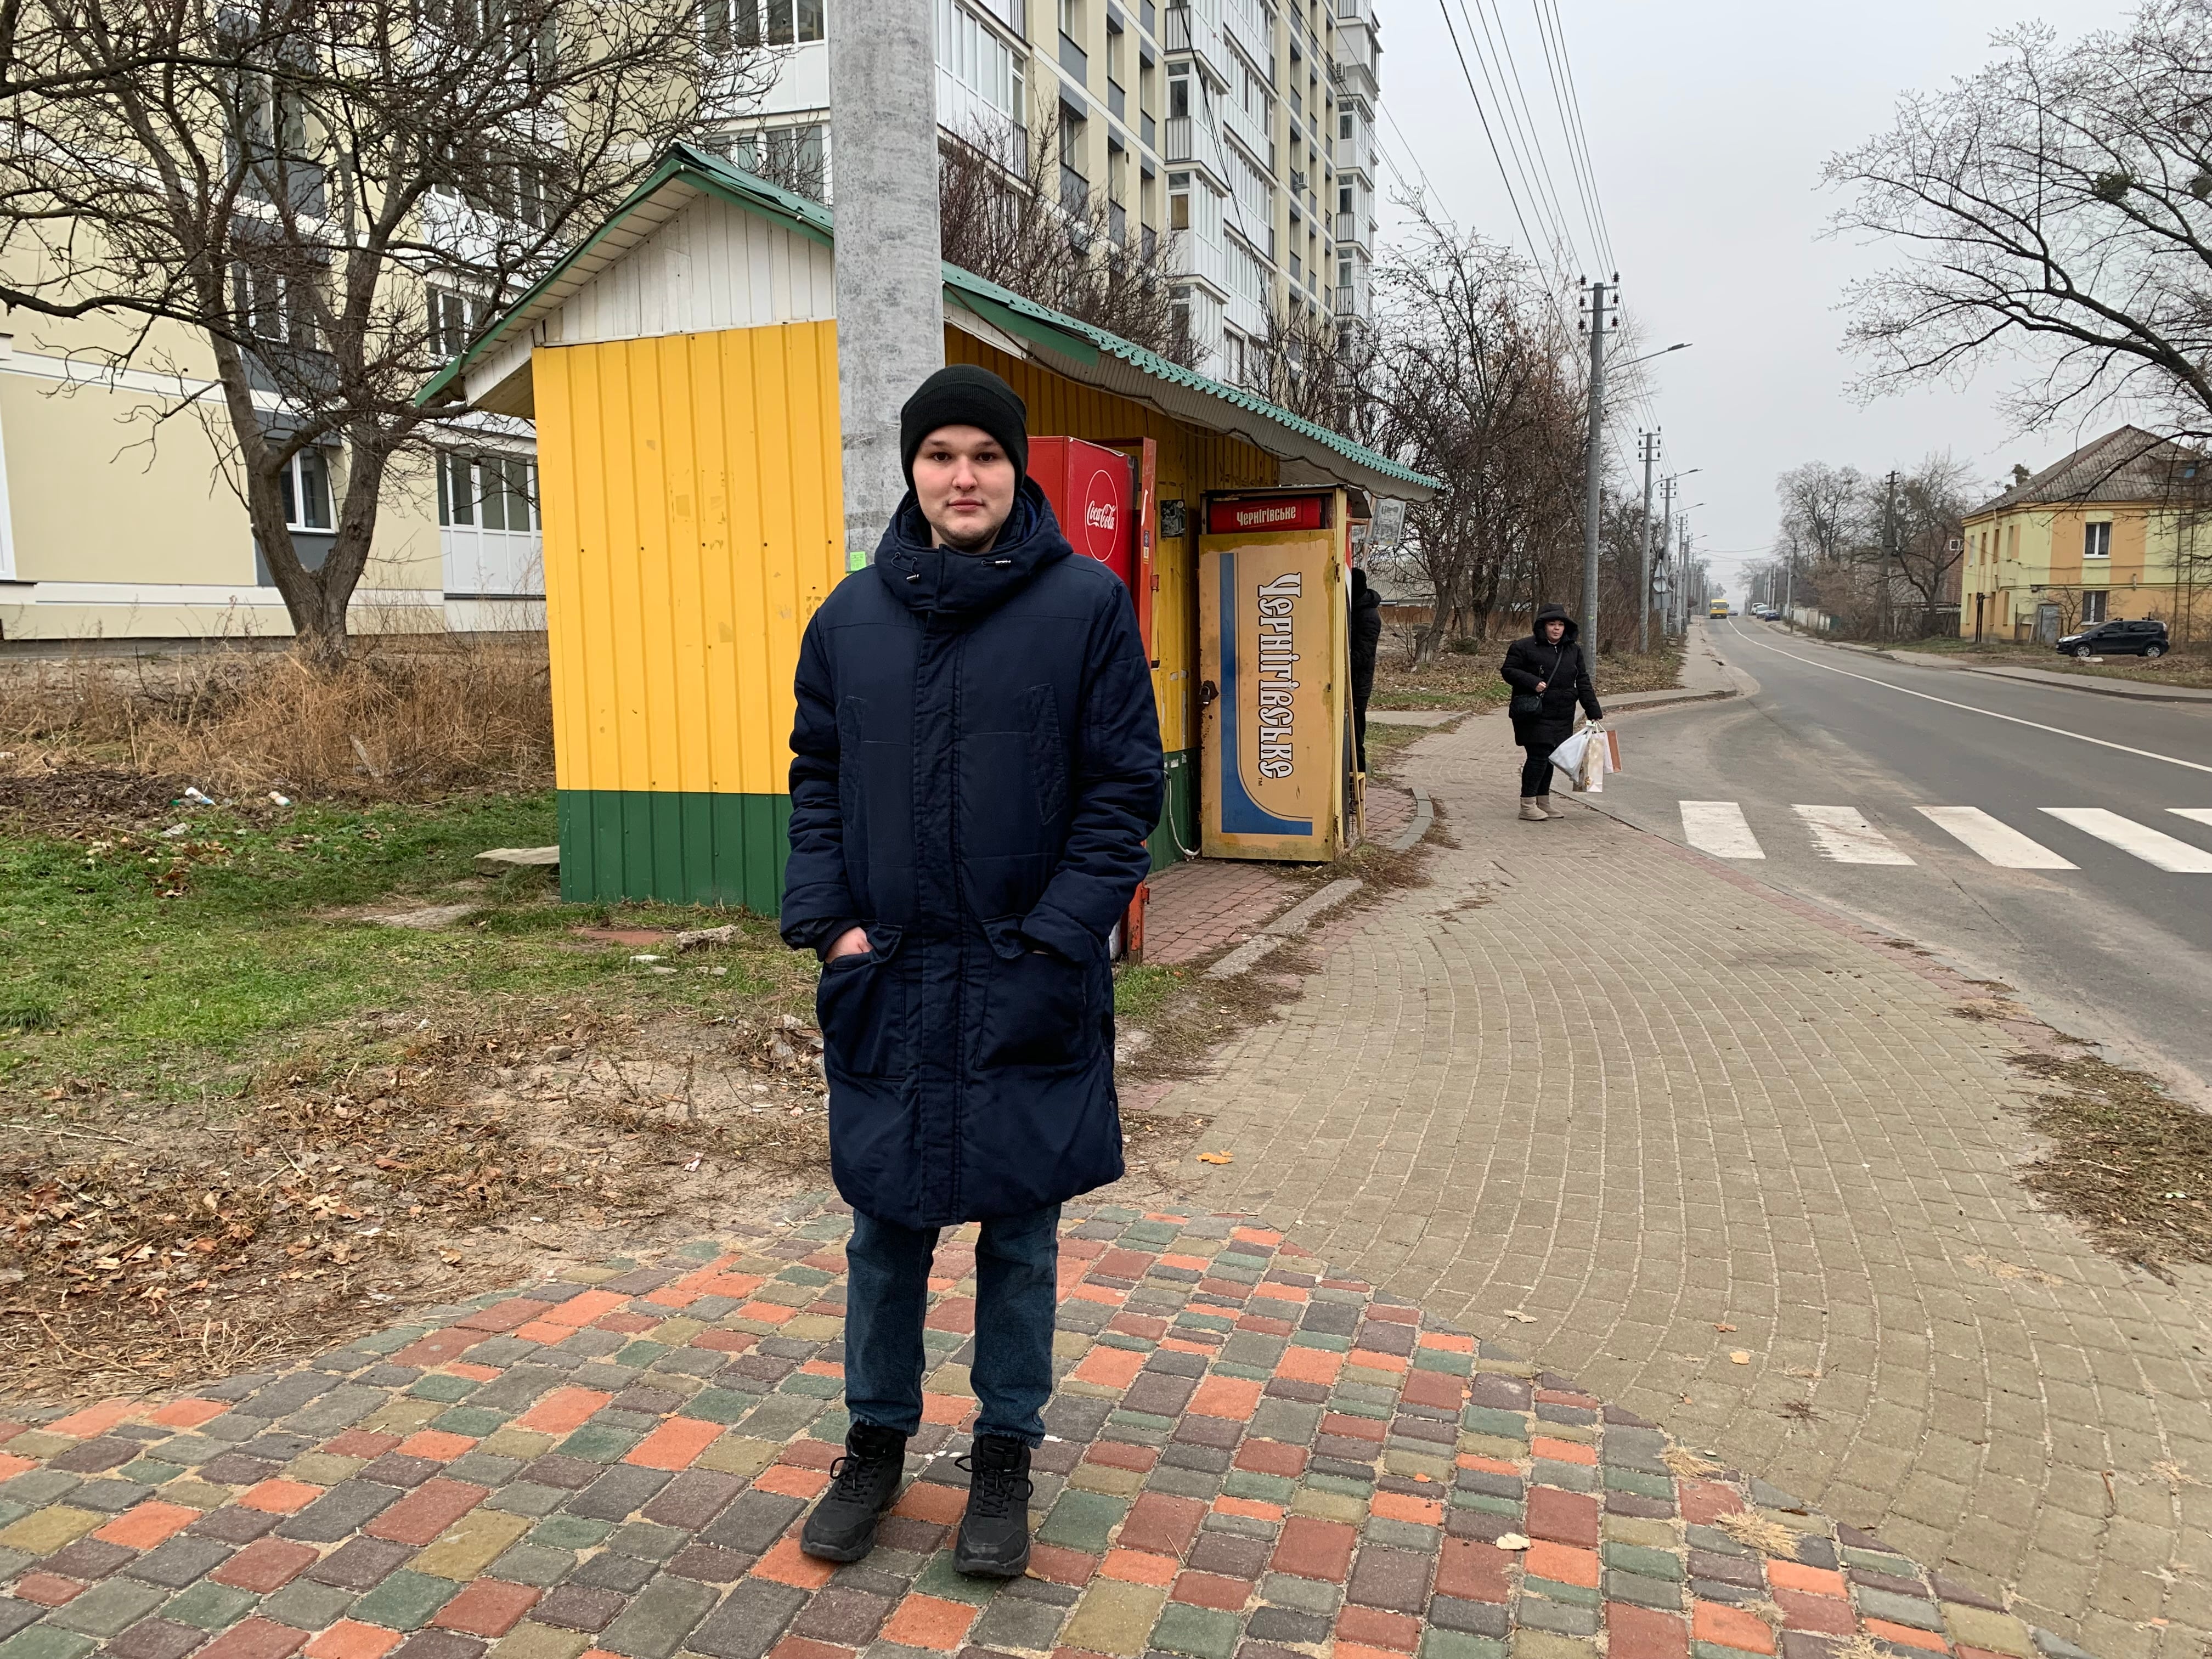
<point x="949" y="583"/>
<point x="1553" y="613"/>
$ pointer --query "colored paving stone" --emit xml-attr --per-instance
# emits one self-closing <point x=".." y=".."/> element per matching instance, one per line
<point x="1251" y="1460"/>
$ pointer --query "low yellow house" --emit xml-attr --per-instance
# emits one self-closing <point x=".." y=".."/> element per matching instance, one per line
<point x="681" y="367"/>
<point x="2121" y="528"/>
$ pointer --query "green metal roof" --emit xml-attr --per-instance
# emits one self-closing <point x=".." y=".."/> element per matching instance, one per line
<point x="1081" y="344"/>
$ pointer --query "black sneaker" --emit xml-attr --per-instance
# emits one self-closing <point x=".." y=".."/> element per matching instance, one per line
<point x="865" y="1482"/>
<point x="994" y="1533"/>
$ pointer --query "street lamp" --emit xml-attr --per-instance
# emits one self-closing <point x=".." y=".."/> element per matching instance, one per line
<point x="1679" y="345"/>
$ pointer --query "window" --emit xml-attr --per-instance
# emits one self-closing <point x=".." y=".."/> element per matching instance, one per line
<point x="2093" y="602"/>
<point x="1178" y="97"/>
<point x="1071" y="19"/>
<point x="454" y="318"/>
<point x="2097" y="540"/>
<point x="794" y="158"/>
<point x="730" y="25"/>
<point x="273" y="304"/>
<point x="496" y="492"/>
<point x="1343" y="125"/>
<point x="305" y="484"/>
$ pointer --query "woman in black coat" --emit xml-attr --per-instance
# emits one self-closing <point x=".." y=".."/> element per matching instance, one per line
<point x="1548" y="677"/>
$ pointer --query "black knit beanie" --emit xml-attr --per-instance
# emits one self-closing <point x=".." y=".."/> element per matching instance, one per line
<point x="960" y="394"/>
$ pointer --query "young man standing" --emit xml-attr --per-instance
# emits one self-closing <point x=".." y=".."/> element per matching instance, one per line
<point x="977" y="765"/>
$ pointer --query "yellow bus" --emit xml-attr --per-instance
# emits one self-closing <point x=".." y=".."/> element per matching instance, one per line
<point x="1720" y="608"/>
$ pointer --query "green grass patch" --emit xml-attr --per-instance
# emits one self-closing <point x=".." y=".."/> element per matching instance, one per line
<point x="1140" y="991"/>
<point x="170" y="963"/>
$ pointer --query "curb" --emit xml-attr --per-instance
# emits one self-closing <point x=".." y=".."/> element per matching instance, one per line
<point x="2097" y="687"/>
<point x="1620" y="709"/>
<point x="1300" y="916"/>
<point x="1425" y="814"/>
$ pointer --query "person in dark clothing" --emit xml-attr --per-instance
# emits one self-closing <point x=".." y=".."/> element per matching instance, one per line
<point x="1367" y="640"/>
<point x="1548" y="677"/>
<point x="975" y="765"/>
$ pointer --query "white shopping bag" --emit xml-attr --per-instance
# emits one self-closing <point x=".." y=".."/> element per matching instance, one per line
<point x="1569" y="756"/>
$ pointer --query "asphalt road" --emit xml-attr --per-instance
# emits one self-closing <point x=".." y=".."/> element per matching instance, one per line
<point x="1935" y="799"/>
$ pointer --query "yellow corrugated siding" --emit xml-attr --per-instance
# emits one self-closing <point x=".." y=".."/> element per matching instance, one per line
<point x="692" y="525"/>
<point x="1190" y="463"/>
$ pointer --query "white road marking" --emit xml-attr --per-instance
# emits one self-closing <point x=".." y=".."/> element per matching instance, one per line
<point x="2196" y="814"/>
<point x="1994" y="839"/>
<point x="1843" y="834"/>
<point x="2151" y="846"/>
<point x="1930" y="696"/>
<point x="1718" y="826"/>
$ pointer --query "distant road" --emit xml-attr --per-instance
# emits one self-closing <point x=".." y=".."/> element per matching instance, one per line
<point x="2058" y="839"/>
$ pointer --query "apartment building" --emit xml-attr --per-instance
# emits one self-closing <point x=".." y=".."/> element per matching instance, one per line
<point x="1245" y="129"/>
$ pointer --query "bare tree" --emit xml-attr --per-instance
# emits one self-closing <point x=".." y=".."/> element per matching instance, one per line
<point x="1315" y="367"/>
<point x="308" y="209"/>
<point x="2057" y="206"/>
<point x="1932" y="502"/>
<point x="1007" y="217"/>
<point x="1476" y="384"/>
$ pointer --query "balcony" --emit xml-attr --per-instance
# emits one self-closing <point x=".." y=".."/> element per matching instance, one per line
<point x="1117" y="225"/>
<point x="1074" y="190"/>
<point x="1116" y="102"/>
<point x="1196" y="29"/>
<point x="1075" y="61"/>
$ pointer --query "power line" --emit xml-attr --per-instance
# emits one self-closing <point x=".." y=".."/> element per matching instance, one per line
<point x="1468" y="76"/>
<point x="1520" y="135"/>
<point x="1570" y="121"/>
<point x="1509" y="71"/>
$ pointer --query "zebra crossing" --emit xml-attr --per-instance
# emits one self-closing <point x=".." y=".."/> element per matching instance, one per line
<point x="1843" y="834"/>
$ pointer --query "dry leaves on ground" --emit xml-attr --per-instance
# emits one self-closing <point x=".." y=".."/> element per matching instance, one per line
<point x="2127" y="1161"/>
<point x="336" y="1193"/>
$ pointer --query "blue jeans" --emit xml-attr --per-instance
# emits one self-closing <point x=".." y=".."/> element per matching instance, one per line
<point x="1017" y="1298"/>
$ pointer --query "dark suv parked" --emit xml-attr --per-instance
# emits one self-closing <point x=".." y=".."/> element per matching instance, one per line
<point x="2117" y="639"/>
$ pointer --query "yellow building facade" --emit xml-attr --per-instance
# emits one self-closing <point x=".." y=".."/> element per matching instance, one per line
<point x="681" y="368"/>
<point x="2119" y="529"/>
<point x="117" y="520"/>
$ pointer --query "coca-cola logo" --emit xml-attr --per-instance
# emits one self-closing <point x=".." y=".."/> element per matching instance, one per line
<point x="1101" y="516"/>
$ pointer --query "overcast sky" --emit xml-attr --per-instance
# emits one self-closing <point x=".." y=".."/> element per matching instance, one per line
<point x="1708" y="123"/>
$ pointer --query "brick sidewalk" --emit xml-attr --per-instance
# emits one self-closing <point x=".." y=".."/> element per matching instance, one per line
<point x="1251" y="1460"/>
<point x="1635" y="1112"/>
<point x="1204" y="905"/>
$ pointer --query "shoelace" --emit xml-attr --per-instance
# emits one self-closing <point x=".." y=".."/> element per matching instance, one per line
<point x="849" y="1476"/>
<point x="993" y="1496"/>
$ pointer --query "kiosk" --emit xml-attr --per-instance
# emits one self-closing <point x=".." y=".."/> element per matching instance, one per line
<point x="1274" y="676"/>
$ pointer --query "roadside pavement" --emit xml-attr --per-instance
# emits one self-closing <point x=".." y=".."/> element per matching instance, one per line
<point x="1250" y="1458"/>
<point x="1632" y="1113"/>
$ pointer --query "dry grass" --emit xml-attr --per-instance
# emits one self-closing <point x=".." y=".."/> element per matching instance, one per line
<point x="1468" y="678"/>
<point x="406" y="1161"/>
<point x="2127" y="1162"/>
<point x="1758" y="1532"/>
<point x="408" y="719"/>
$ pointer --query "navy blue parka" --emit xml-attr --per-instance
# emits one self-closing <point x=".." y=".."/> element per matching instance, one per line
<point x="976" y="768"/>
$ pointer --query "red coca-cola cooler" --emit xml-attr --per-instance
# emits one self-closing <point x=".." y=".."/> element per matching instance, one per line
<point x="1101" y="494"/>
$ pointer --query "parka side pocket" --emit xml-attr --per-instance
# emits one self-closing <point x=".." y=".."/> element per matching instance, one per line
<point x="1048" y="754"/>
<point x="860" y="1006"/>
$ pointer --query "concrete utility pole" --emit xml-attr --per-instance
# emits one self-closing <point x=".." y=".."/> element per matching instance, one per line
<point x="1649" y="443"/>
<point x="1667" y="554"/>
<point x="890" y="281"/>
<point x="1593" y="468"/>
